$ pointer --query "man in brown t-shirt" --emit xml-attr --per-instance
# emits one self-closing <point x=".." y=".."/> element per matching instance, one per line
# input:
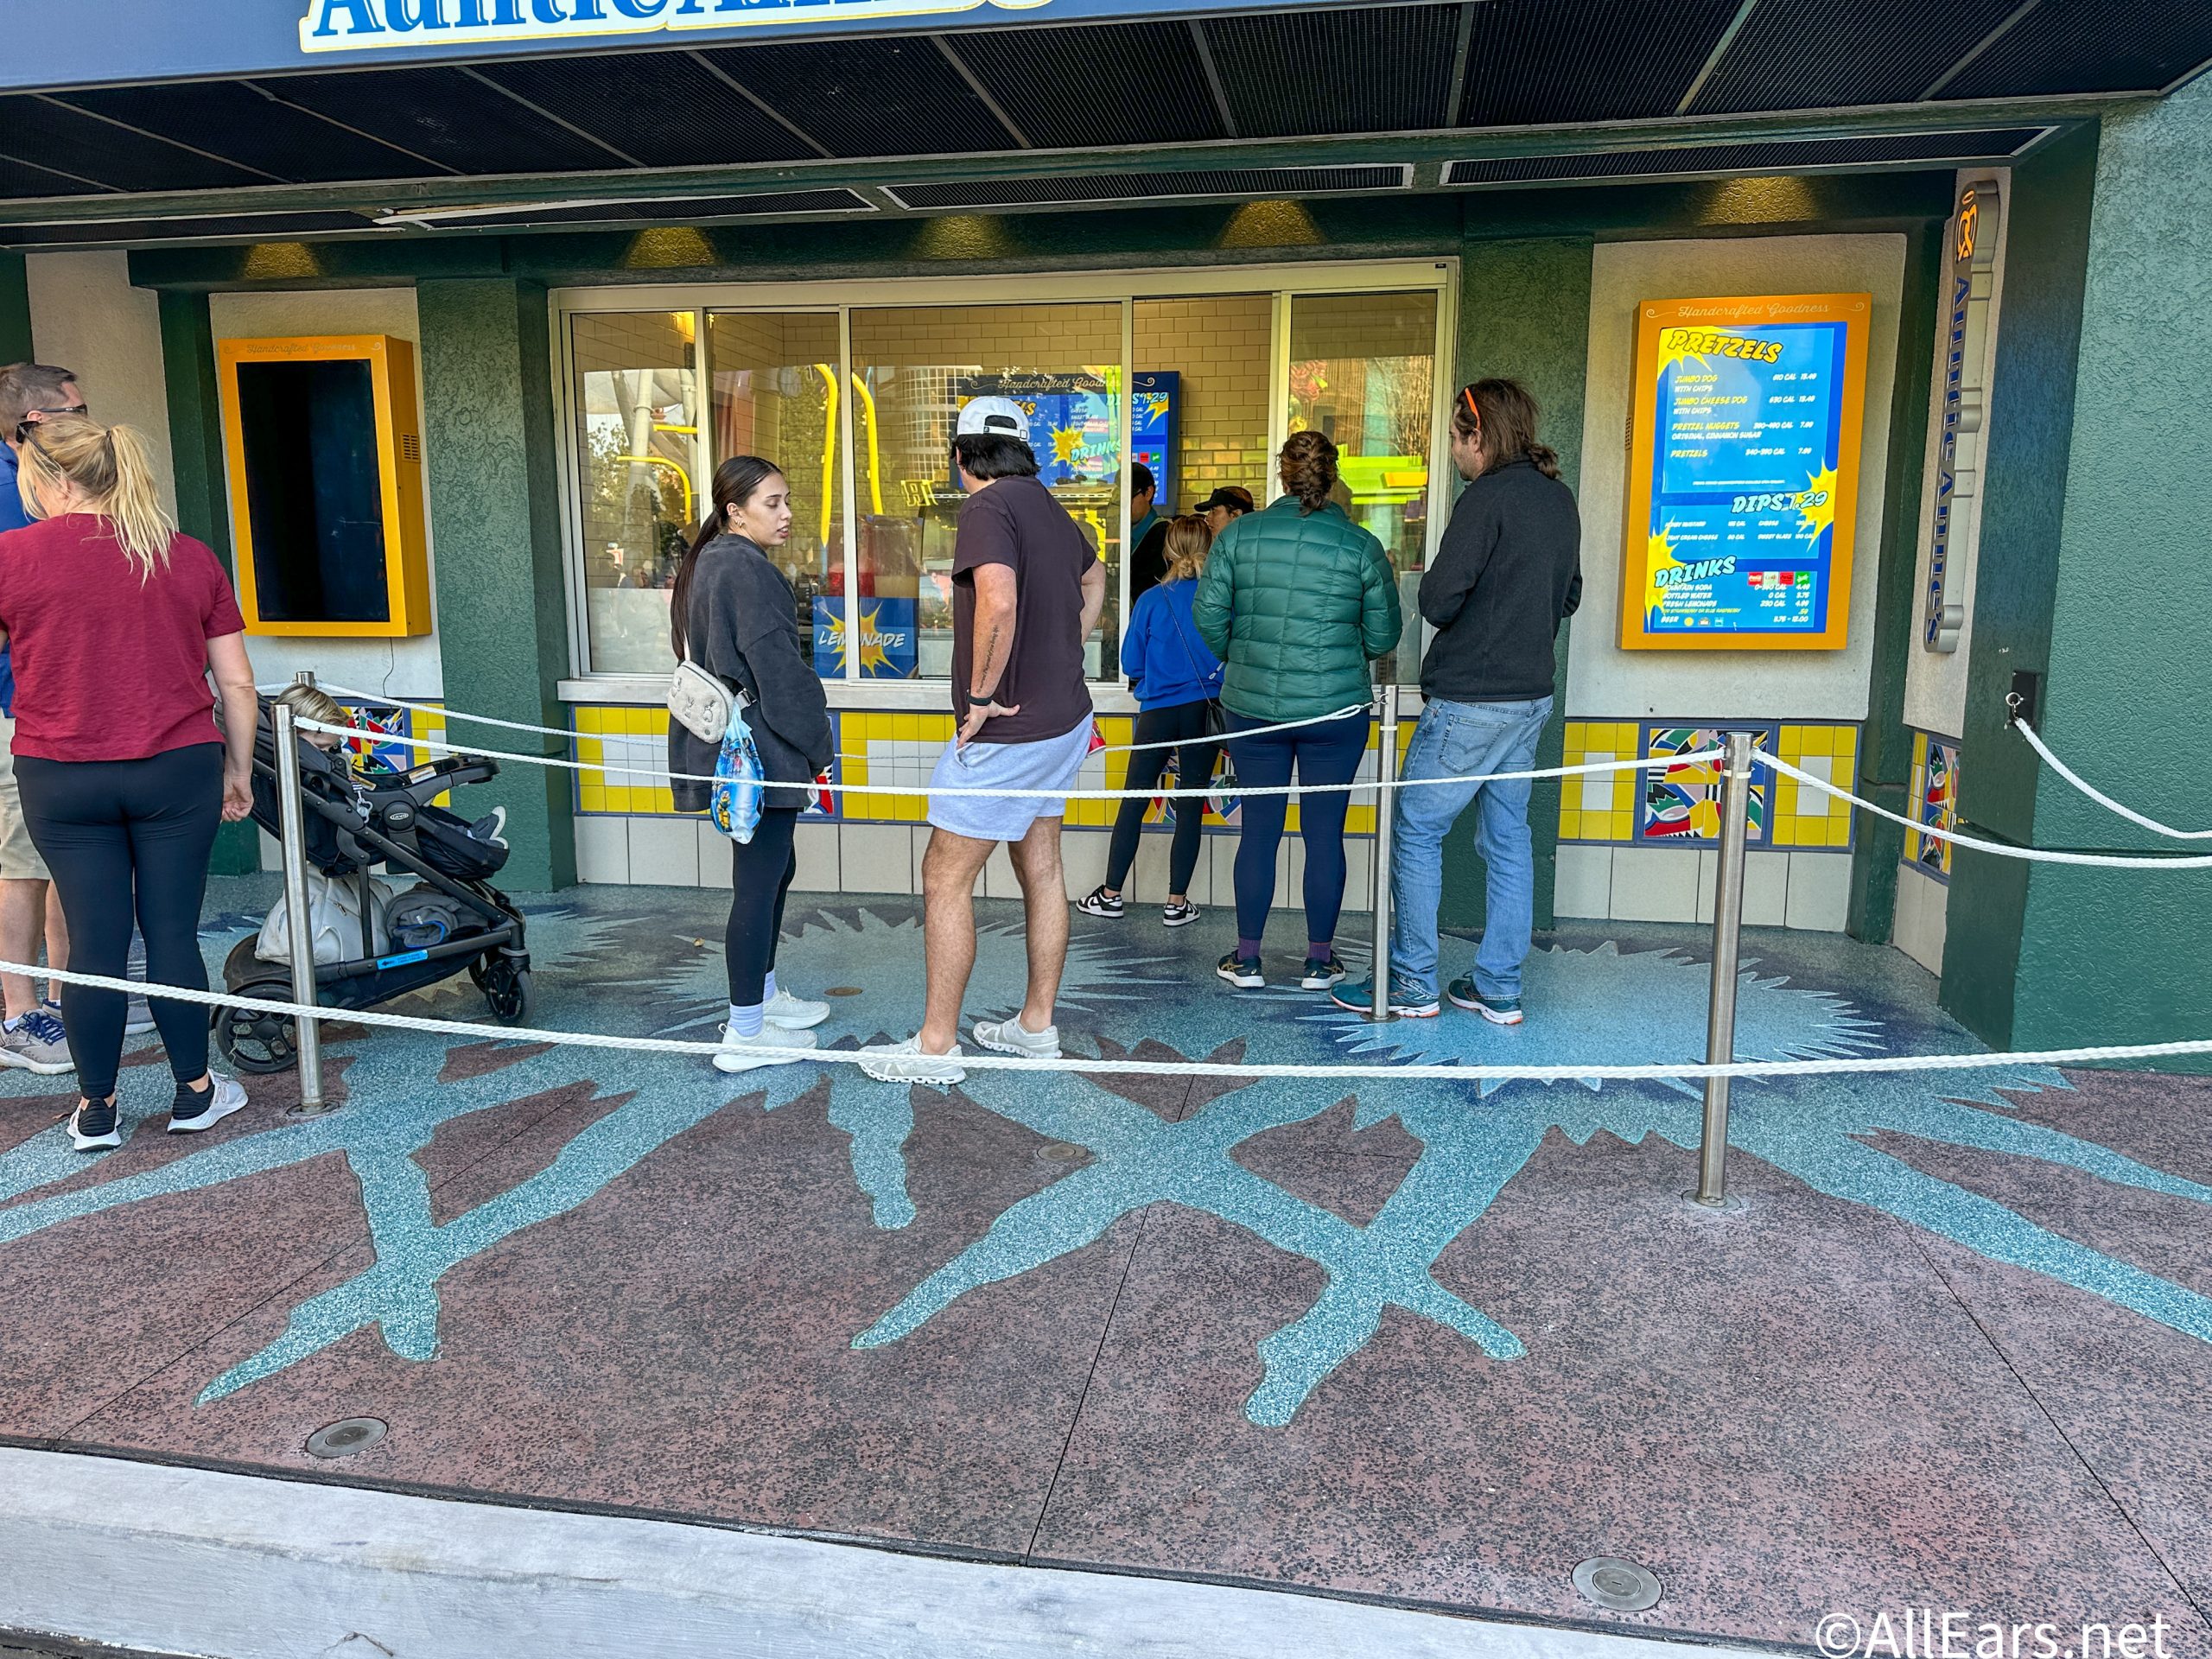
<point x="1027" y="588"/>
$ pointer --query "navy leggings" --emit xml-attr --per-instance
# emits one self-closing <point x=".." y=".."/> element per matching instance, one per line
<point x="1327" y="753"/>
<point x="760" y="877"/>
<point x="114" y="832"/>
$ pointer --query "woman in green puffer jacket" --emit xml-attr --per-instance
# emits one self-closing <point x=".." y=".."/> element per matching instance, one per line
<point x="1297" y="601"/>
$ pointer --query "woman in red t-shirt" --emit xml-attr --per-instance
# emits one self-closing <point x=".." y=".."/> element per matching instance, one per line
<point x="115" y="620"/>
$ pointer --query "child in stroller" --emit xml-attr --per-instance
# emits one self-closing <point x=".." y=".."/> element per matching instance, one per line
<point x="372" y="940"/>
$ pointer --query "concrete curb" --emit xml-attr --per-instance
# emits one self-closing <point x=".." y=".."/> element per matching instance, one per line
<point x="191" y="1561"/>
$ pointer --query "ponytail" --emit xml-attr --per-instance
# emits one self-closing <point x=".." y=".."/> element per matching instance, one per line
<point x="735" y="482"/>
<point x="1502" y="415"/>
<point x="111" y="470"/>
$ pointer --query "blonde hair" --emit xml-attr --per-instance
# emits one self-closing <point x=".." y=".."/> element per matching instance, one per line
<point x="111" y="470"/>
<point x="1190" y="539"/>
<point x="310" y="703"/>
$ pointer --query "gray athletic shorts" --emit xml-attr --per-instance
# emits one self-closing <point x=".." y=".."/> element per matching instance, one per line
<point x="1050" y="764"/>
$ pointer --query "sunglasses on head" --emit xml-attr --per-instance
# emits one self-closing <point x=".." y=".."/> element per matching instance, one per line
<point x="23" y="427"/>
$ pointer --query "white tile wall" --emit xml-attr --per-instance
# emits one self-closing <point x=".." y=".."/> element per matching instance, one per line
<point x="1654" y="884"/>
<point x="1923" y="918"/>
<point x="1083" y="858"/>
<point x="663" y="852"/>
<point x="1583" y="885"/>
<point x="717" y="855"/>
<point x="817" y="846"/>
<point x="602" y="849"/>
<point x="1820" y="892"/>
<point x="876" y="857"/>
<point x="1766" y="886"/>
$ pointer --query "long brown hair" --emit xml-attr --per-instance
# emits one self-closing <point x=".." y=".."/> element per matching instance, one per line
<point x="1189" y="539"/>
<point x="1502" y="415"/>
<point x="112" y="472"/>
<point x="1308" y="463"/>
<point x="736" y="481"/>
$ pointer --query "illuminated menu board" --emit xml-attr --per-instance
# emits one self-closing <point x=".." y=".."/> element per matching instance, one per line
<point x="1744" y="472"/>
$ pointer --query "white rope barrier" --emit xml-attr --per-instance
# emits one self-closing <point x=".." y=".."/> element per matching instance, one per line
<point x="2035" y="742"/>
<point x="2033" y="855"/>
<point x="1656" y="1071"/>
<point x="1240" y="792"/>
<point x="573" y="736"/>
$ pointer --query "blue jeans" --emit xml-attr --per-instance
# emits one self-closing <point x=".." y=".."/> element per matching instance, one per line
<point x="1459" y="739"/>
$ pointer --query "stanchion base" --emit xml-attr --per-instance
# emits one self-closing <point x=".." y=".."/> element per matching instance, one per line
<point x="320" y="1108"/>
<point x="1728" y="1204"/>
<point x="1375" y="1019"/>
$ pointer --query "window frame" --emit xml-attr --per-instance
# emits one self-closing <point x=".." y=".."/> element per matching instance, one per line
<point x="1125" y="287"/>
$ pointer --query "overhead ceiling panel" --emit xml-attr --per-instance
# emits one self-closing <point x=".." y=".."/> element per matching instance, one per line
<point x="449" y="116"/>
<point x="2092" y="46"/>
<point x="1140" y="83"/>
<point x="666" y="109"/>
<point x="1337" y="68"/>
<point x="21" y="179"/>
<point x="869" y="98"/>
<point x="1763" y="157"/>
<point x="1532" y="62"/>
<point x="1098" y="188"/>
<point x="248" y="226"/>
<point x="69" y="140"/>
<point x="1804" y="55"/>
<point x="245" y="125"/>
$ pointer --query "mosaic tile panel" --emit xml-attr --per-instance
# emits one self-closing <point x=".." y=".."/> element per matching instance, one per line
<point x="1681" y="806"/>
<point x="1935" y="798"/>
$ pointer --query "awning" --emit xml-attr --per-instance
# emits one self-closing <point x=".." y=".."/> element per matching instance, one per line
<point x="178" y="121"/>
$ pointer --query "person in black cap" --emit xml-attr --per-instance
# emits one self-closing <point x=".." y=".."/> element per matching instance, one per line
<point x="1148" y="565"/>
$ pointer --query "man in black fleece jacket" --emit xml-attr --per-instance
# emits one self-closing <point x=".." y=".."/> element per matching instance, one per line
<point x="1508" y="573"/>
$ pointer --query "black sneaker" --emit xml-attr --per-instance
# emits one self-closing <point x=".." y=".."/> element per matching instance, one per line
<point x="1099" y="902"/>
<point x="1320" y="976"/>
<point x="93" y="1126"/>
<point x="1180" y="915"/>
<point x="1498" y="1010"/>
<point x="1243" y="972"/>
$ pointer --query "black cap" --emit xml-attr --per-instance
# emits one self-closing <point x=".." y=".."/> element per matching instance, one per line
<point x="1228" y="495"/>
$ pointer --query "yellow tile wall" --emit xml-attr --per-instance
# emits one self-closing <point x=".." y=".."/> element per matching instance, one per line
<point x="1220" y="345"/>
<point x="1803" y="815"/>
<point x="1600" y="807"/>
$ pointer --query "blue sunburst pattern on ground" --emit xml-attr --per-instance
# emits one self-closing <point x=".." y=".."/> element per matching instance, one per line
<point x="645" y="963"/>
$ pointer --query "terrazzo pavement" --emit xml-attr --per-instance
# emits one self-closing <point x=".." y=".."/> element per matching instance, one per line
<point x="1810" y="1405"/>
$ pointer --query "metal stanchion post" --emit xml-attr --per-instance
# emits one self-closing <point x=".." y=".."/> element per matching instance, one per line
<point x="1727" y="934"/>
<point x="1386" y="769"/>
<point x="299" y="928"/>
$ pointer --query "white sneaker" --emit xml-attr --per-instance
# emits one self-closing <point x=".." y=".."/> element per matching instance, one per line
<point x="226" y="1096"/>
<point x="794" y="1013"/>
<point x="1012" y="1037"/>
<point x="745" y="1053"/>
<point x="904" y="1062"/>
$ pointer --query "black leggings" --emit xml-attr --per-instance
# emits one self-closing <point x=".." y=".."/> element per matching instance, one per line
<point x="111" y="829"/>
<point x="760" y="874"/>
<point x="1180" y="723"/>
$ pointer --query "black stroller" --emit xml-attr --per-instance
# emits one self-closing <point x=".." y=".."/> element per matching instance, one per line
<point x="452" y="918"/>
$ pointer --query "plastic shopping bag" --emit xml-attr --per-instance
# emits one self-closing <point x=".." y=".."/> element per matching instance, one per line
<point x="734" y="801"/>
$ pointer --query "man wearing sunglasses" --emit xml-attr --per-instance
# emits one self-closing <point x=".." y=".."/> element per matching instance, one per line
<point x="31" y="1037"/>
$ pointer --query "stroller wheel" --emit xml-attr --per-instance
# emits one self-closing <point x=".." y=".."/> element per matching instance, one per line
<point x="253" y="1041"/>
<point x="506" y="989"/>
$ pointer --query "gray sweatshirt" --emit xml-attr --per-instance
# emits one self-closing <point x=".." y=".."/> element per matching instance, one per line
<point x="743" y="627"/>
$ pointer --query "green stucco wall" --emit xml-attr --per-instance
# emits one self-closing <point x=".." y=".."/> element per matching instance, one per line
<point x="1524" y="311"/>
<point x="2120" y="956"/>
<point x="488" y="452"/>
<point x="2024" y="490"/>
<point x="14" y="310"/>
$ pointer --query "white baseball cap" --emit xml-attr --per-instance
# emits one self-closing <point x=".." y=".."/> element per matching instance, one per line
<point x="998" y="417"/>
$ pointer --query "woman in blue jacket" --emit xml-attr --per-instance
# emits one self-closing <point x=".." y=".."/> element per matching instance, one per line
<point x="1176" y="680"/>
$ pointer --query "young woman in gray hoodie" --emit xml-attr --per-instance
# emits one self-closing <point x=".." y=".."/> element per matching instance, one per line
<point x="735" y="615"/>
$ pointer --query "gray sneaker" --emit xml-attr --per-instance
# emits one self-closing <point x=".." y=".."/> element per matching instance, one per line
<point x="1012" y="1037"/>
<point x="36" y="1043"/>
